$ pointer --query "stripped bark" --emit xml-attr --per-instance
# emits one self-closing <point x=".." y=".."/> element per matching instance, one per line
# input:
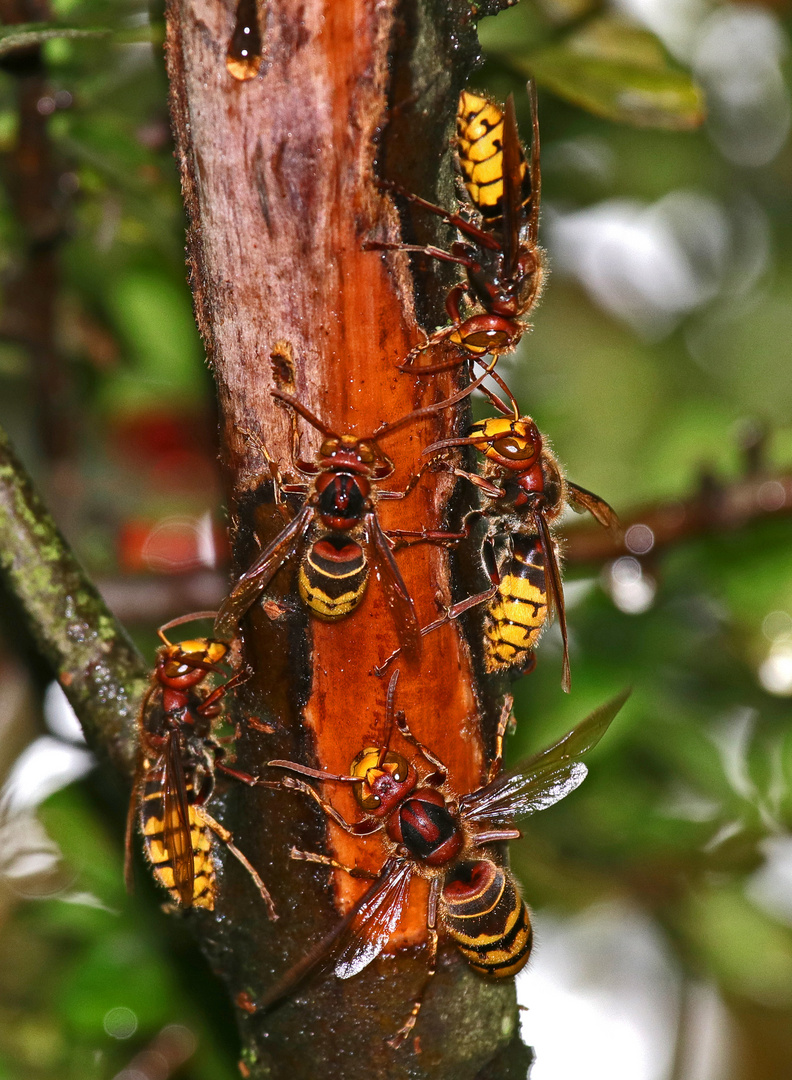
<point x="278" y="177"/>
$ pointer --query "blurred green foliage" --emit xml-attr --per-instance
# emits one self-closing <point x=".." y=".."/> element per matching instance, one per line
<point x="693" y="781"/>
<point x="90" y="976"/>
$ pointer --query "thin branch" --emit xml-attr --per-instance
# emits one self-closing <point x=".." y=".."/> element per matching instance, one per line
<point x="278" y="174"/>
<point x="685" y="1030"/>
<point x="715" y="508"/>
<point x="98" y="667"/>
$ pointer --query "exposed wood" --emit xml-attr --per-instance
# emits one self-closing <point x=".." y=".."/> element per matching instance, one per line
<point x="278" y="176"/>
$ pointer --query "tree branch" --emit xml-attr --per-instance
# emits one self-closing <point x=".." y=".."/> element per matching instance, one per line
<point x="278" y="174"/>
<point x="98" y="667"/>
<point x="715" y="508"/>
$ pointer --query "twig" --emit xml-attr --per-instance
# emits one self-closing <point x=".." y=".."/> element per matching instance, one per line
<point x="103" y="675"/>
<point x="714" y="508"/>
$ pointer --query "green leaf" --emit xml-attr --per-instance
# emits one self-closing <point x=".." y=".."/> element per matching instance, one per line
<point x="619" y="72"/>
<point x="748" y="952"/>
<point x="87" y="848"/>
<point x="121" y="969"/>
<point x="25" y="35"/>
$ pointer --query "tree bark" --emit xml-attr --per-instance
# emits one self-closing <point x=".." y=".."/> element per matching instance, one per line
<point x="278" y="175"/>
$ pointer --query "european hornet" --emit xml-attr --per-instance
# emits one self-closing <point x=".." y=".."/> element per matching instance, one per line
<point x="504" y="267"/>
<point x="524" y="492"/>
<point x="336" y="533"/>
<point x="175" y="777"/>
<point x="431" y="831"/>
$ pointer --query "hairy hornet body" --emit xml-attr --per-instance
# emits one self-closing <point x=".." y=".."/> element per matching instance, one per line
<point x="507" y="280"/>
<point x="333" y="576"/>
<point x="176" y="840"/>
<point x="499" y="252"/>
<point x="179" y="755"/>
<point x="517" y="614"/>
<point x="430" y="831"/>
<point x="487" y="918"/>
<point x="523" y="494"/>
<point x="334" y="569"/>
<point x="479" y="143"/>
<point x="335" y="535"/>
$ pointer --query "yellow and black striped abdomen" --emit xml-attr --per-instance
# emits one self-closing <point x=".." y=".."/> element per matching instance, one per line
<point x="518" y="612"/>
<point x="333" y="577"/>
<point x="487" y="918"/>
<point x="479" y="130"/>
<point x="159" y="847"/>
